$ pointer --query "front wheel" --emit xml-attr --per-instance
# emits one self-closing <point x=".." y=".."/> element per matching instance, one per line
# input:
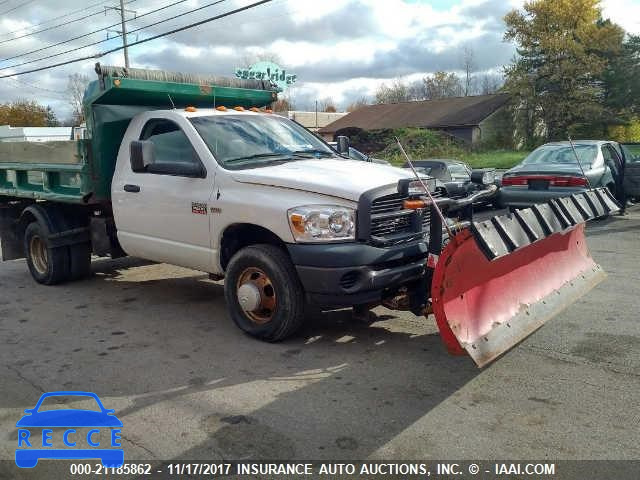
<point x="263" y="293"/>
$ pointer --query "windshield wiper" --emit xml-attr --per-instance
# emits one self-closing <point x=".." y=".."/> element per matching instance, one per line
<point x="312" y="152"/>
<point x="257" y="156"/>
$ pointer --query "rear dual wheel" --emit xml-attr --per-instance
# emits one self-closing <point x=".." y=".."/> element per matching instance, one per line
<point x="52" y="265"/>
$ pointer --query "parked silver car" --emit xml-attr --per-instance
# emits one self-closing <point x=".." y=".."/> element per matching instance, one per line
<point x="552" y="170"/>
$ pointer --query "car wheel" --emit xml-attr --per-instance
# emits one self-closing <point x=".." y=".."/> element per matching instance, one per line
<point x="263" y="293"/>
<point x="47" y="265"/>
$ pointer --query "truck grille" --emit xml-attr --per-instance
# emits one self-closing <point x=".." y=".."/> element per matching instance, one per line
<point x="390" y="223"/>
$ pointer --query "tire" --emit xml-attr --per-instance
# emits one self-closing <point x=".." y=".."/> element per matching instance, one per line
<point x="268" y="270"/>
<point x="47" y="265"/>
<point x="79" y="261"/>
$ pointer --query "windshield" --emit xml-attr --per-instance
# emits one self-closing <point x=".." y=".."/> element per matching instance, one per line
<point x="357" y="155"/>
<point x="458" y="170"/>
<point x="247" y="141"/>
<point x="562" y="154"/>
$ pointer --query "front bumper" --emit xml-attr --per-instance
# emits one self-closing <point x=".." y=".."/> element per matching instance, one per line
<point x="346" y="274"/>
<point x="522" y="197"/>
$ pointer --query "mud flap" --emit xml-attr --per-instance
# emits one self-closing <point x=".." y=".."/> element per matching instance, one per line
<point x="500" y="280"/>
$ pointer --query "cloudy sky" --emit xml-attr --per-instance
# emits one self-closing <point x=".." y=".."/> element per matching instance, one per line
<point x="338" y="48"/>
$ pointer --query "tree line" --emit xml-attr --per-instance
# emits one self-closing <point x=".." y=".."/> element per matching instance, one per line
<point x="575" y="73"/>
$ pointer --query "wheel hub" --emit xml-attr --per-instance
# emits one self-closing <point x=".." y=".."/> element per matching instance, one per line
<point x="256" y="295"/>
<point x="249" y="297"/>
<point x="38" y="254"/>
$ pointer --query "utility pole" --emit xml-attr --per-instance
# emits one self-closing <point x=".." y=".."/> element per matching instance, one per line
<point x="124" y="35"/>
<point x="123" y="32"/>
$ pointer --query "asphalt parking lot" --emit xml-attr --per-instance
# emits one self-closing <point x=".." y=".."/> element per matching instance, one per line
<point x="155" y="343"/>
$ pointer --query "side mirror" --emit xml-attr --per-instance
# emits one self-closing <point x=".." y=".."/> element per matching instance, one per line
<point x="483" y="176"/>
<point x="342" y="145"/>
<point x="141" y="154"/>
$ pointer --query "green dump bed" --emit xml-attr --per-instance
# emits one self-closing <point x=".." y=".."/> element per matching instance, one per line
<point x="81" y="171"/>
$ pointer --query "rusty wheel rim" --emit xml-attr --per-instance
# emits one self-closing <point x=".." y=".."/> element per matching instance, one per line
<point x="266" y="308"/>
<point x="38" y="254"/>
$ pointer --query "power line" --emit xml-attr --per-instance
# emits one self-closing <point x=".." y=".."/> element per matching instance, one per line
<point x="23" y="4"/>
<point x="138" y="42"/>
<point x="79" y="37"/>
<point x="59" y="24"/>
<point x="107" y="39"/>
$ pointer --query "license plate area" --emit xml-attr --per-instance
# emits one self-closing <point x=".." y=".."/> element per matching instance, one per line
<point x="538" y="184"/>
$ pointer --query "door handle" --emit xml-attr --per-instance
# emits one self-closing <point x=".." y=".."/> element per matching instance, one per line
<point x="131" y="188"/>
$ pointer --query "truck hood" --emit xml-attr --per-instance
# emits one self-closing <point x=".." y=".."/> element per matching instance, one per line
<point x="346" y="179"/>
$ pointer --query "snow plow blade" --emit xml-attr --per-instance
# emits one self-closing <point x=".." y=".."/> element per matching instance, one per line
<point x="499" y="280"/>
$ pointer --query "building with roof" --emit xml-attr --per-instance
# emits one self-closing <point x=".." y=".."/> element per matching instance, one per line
<point x="34" y="134"/>
<point x="312" y="120"/>
<point x="481" y="119"/>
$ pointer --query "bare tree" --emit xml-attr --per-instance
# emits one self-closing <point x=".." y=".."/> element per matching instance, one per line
<point x="355" y="105"/>
<point x="327" y="105"/>
<point x="468" y="65"/>
<point x="282" y="104"/>
<point x="417" y="90"/>
<point x="76" y="86"/>
<point x="443" y="84"/>
<point x="395" y="93"/>
<point x="490" y="83"/>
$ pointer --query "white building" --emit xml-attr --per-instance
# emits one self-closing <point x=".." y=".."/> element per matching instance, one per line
<point x="313" y="120"/>
<point x="34" y="134"/>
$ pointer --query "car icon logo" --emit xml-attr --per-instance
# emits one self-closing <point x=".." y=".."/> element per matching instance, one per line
<point x="80" y="446"/>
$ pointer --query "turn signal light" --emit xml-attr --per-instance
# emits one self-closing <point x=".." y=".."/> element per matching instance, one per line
<point x="297" y="221"/>
<point x="413" y="204"/>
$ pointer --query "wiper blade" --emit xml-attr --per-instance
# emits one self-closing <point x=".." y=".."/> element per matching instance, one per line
<point x="313" y="152"/>
<point x="255" y="156"/>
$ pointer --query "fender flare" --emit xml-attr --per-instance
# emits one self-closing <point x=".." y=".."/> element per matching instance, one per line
<point x="60" y="229"/>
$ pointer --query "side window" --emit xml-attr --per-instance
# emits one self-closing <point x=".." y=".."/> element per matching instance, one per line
<point x="611" y="158"/>
<point x="171" y="144"/>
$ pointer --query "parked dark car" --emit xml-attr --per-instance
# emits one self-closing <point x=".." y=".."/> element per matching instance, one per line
<point x="455" y="176"/>
<point x="552" y="170"/>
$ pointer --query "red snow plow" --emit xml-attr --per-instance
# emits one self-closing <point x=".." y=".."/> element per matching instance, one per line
<point x="497" y="281"/>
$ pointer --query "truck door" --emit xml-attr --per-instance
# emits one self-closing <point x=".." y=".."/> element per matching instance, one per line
<point x="162" y="213"/>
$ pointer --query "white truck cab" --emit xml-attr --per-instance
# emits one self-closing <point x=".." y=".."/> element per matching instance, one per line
<point x="260" y="200"/>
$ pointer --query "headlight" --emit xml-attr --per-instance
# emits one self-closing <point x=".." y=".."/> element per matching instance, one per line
<point x="322" y="223"/>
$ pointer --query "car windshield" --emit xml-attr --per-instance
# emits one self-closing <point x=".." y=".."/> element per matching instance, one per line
<point x="459" y="171"/>
<point x="562" y="154"/>
<point x="247" y="141"/>
<point x="357" y="155"/>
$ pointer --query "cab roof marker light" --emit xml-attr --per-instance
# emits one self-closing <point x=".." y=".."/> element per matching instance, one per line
<point x="221" y="108"/>
<point x="239" y="109"/>
<point x="254" y="109"/>
<point x="190" y="108"/>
